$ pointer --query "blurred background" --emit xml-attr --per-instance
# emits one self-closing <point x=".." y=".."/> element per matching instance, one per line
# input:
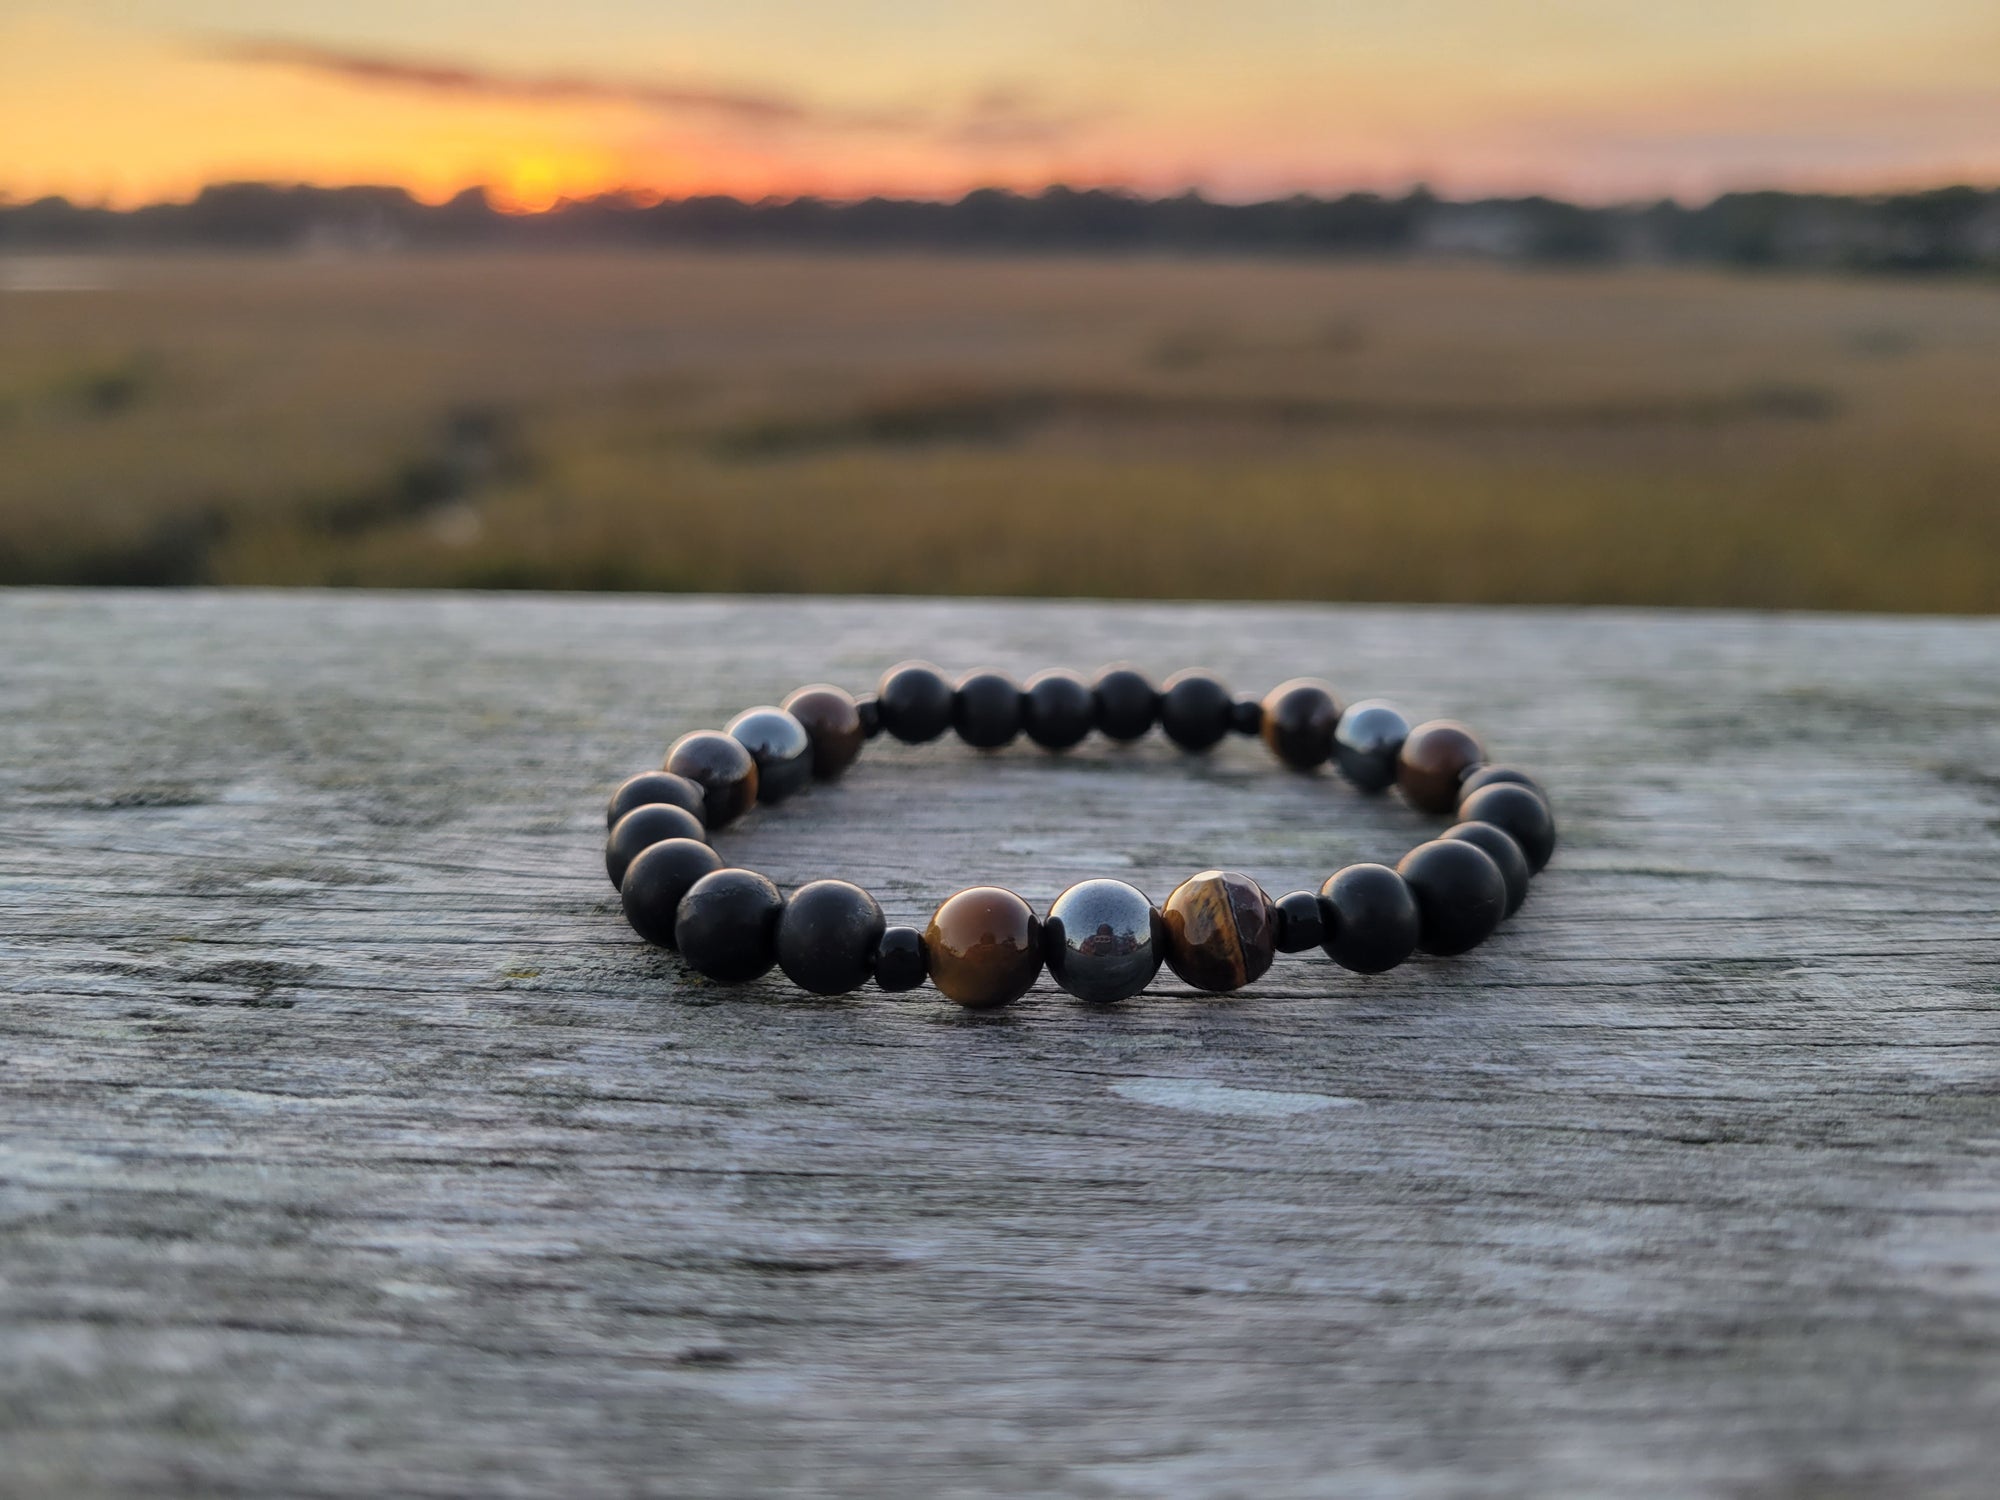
<point x="1464" y="300"/>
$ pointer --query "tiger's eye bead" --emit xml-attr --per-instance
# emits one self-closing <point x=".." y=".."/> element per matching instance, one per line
<point x="1367" y="741"/>
<point x="1433" y="758"/>
<point x="827" y="937"/>
<point x="655" y="882"/>
<point x="1461" y="894"/>
<point x="1221" y="931"/>
<point x="1195" y="710"/>
<point x="899" y="960"/>
<point x="1300" y="925"/>
<point x="727" y="925"/>
<point x="1056" y="709"/>
<point x="914" y="702"/>
<point x="870" y="711"/>
<point x="1103" y="940"/>
<point x="1246" y="716"/>
<point x="1299" y="720"/>
<point x="722" y="768"/>
<point x="643" y="827"/>
<point x="832" y="723"/>
<point x="1485" y="776"/>
<point x="1371" y="920"/>
<point x="986" y="710"/>
<point x="1518" y="810"/>
<point x="1504" y="852"/>
<point x="1123" y="703"/>
<point x="780" y="746"/>
<point x="649" y="787"/>
<point x="984" y="947"/>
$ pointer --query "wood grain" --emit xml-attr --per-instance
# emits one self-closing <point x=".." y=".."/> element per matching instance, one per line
<point x="350" y="1144"/>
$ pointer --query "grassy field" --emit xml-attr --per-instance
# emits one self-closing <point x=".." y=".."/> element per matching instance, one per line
<point x="1099" y="427"/>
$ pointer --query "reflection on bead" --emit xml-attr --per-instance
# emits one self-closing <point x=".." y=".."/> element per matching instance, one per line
<point x="1124" y="703"/>
<point x="984" y="947"/>
<point x="827" y="937"/>
<point x="1221" y="931"/>
<point x="649" y="787"/>
<point x="1504" y="852"/>
<point x="986" y="710"/>
<point x="832" y="723"/>
<point x="727" y="925"/>
<point x="1521" y="812"/>
<point x="1367" y="741"/>
<point x="1056" y="709"/>
<point x="1371" y="918"/>
<point x="722" y="768"/>
<point x="914" y="702"/>
<point x="1103" y="940"/>
<point x="1299" y="720"/>
<point x="899" y="960"/>
<point x="655" y="882"/>
<point x="1461" y="894"/>
<point x="1432" y="760"/>
<point x="780" y="746"/>
<point x="1300" y="925"/>
<point x="645" y="826"/>
<point x="1195" y="709"/>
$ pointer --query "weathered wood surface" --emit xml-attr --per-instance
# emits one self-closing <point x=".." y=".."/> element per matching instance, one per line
<point x="350" y="1144"/>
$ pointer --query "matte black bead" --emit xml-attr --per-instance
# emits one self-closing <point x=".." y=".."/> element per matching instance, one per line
<point x="1123" y="703"/>
<point x="1367" y="742"/>
<point x="899" y="960"/>
<point x="1484" y="776"/>
<point x="1056" y="709"/>
<point x="1299" y="720"/>
<point x="779" y="744"/>
<point x="986" y="710"/>
<point x="1520" y="811"/>
<point x="655" y="882"/>
<point x="1371" y="918"/>
<point x="642" y="826"/>
<point x="1507" y="854"/>
<point x="870" y="710"/>
<point x="721" y="767"/>
<point x="914" y="702"/>
<point x="827" y="937"/>
<point x="1246" y="716"/>
<point x="1195" y="710"/>
<point x="727" y="925"/>
<point x="1461" y="894"/>
<point x="1300" y="925"/>
<point x="649" y="787"/>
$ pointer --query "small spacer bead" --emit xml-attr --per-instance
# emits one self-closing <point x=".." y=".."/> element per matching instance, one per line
<point x="870" y="712"/>
<point x="899" y="960"/>
<point x="1300" y="925"/>
<point x="1246" y="716"/>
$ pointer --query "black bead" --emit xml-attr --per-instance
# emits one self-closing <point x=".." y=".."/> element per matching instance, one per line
<point x="870" y="709"/>
<point x="727" y="925"/>
<point x="643" y="826"/>
<point x="899" y="960"/>
<point x="986" y="710"/>
<point x="780" y="745"/>
<point x="1518" y="810"/>
<point x="1461" y="894"/>
<point x="1300" y="925"/>
<point x="1056" y="709"/>
<point x="1370" y="916"/>
<point x="827" y="937"/>
<point x="1246" y="716"/>
<point x="1123" y="703"/>
<point x="1507" y="854"/>
<point x="649" y="787"/>
<point x="724" y="770"/>
<point x="1195" y="710"/>
<point x="655" y="882"/>
<point x="1299" y="720"/>
<point x="914" y="701"/>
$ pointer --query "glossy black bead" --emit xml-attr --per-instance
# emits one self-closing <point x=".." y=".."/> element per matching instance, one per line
<point x="643" y="826"/>
<point x="1056" y="709"/>
<point x="914" y="701"/>
<point x="1370" y="916"/>
<point x="649" y="787"/>
<point x="1461" y="894"/>
<point x="1195" y="710"/>
<point x="899" y="960"/>
<point x="780" y="745"/>
<point x="1507" y="854"/>
<point x="721" y="767"/>
<point x="1246" y="716"/>
<point x="1300" y="925"/>
<point x="1485" y="776"/>
<point x="827" y="937"/>
<point x="1367" y="742"/>
<point x="1299" y="720"/>
<point x="655" y="882"/>
<point x="986" y="710"/>
<point x="1123" y="703"/>
<point x="870" y="710"/>
<point x="1520" y="811"/>
<point x="727" y="925"/>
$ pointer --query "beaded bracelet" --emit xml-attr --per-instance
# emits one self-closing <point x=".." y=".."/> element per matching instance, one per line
<point x="1102" y="940"/>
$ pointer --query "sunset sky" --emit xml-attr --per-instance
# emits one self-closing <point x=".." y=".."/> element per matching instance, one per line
<point x="144" y="99"/>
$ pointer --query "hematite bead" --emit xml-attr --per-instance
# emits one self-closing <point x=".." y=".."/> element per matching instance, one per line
<point x="827" y="937"/>
<point x="1433" y="758"/>
<point x="722" y="768"/>
<point x="986" y="710"/>
<point x="870" y="711"/>
<point x="1103" y="940"/>
<point x="1500" y="845"/>
<point x="984" y="947"/>
<point x="1056" y="709"/>
<point x="727" y="925"/>
<point x="1299" y="720"/>
<point x="1300" y="925"/>
<point x="1195" y="709"/>
<point x="1123" y="703"/>
<point x="899" y="960"/>
<point x="914" y="702"/>
<point x="1518" y="810"/>
<point x="1246" y="716"/>
<point x="1484" y="776"/>
<point x="1461" y="894"/>
<point x="1371" y="918"/>
<point x="1221" y="931"/>
<point x="644" y="826"/>
<point x="832" y="723"/>
<point x="649" y="787"/>
<point x="780" y="746"/>
<point x="1367" y="741"/>
<point x="655" y="882"/>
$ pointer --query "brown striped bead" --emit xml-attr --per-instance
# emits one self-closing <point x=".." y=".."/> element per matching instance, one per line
<point x="833" y="724"/>
<point x="1434" y="758"/>
<point x="1221" y="931"/>
<point x="984" y="947"/>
